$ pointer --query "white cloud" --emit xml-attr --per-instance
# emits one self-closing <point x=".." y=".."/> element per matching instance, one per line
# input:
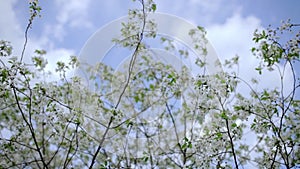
<point x="206" y="5"/>
<point x="199" y="12"/>
<point x="57" y="31"/>
<point x="56" y="55"/>
<point x="234" y="37"/>
<point x="74" y="13"/>
<point x="11" y="30"/>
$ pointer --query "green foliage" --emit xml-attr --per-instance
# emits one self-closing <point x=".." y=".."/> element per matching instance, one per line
<point x="153" y="7"/>
<point x="271" y="50"/>
<point x="35" y="9"/>
<point x="39" y="61"/>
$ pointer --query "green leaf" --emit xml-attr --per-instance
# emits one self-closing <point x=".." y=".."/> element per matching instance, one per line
<point x="145" y="158"/>
<point x="136" y="98"/>
<point x="265" y="96"/>
<point x="219" y="135"/>
<point x="234" y="117"/>
<point x="128" y="123"/>
<point x="237" y="108"/>
<point x="153" y="7"/>
<point x="224" y="116"/>
<point x="190" y="145"/>
<point x="263" y="33"/>
<point x="40" y="52"/>
<point x="152" y="87"/>
<point x="77" y="121"/>
<point x="259" y="70"/>
<point x="200" y="28"/>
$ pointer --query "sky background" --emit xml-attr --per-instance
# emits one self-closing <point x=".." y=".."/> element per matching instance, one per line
<point x="65" y="26"/>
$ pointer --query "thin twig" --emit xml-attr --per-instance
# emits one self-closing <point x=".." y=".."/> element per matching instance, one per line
<point x="130" y="69"/>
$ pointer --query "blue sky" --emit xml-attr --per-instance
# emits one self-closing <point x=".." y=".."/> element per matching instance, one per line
<point x="65" y="26"/>
<point x="69" y="24"/>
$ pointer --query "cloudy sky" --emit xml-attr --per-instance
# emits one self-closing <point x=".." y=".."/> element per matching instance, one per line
<point x="65" y="26"/>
